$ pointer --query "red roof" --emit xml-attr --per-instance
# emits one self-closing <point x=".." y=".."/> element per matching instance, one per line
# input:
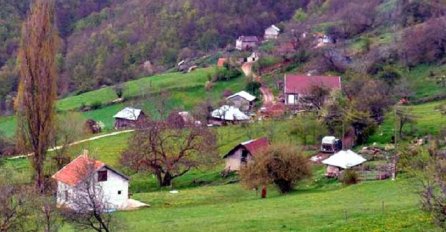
<point x="221" y="62"/>
<point x="301" y="83"/>
<point x="76" y="171"/>
<point x="256" y="146"/>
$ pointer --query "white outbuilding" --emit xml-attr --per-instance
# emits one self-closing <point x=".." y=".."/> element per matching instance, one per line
<point x="227" y="114"/>
<point x="84" y="173"/>
<point x="342" y="160"/>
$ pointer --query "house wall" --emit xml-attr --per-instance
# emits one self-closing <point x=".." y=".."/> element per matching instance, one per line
<point x="121" y="123"/>
<point x="291" y="99"/>
<point x="233" y="162"/>
<point x="271" y="33"/>
<point x="241" y="103"/>
<point x="240" y="45"/>
<point x="109" y="188"/>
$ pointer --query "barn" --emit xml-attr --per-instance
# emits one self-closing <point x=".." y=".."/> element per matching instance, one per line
<point x="243" y="153"/>
<point x="128" y="118"/>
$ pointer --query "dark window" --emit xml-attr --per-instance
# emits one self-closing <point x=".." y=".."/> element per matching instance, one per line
<point x="66" y="195"/>
<point x="244" y="156"/>
<point x="102" y="176"/>
<point x="119" y="192"/>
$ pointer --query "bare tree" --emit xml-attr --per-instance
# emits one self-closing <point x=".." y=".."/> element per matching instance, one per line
<point x="315" y="97"/>
<point x="37" y="89"/>
<point x="88" y="208"/>
<point x="168" y="151"/>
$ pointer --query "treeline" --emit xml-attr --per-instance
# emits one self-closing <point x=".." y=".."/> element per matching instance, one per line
<point x="108" y="41"/>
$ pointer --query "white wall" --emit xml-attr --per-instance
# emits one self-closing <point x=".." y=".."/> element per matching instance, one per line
<point x="233" y="162"/>
<point x="109" y="188"/>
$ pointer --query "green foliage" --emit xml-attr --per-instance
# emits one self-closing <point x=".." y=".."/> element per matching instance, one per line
<point x="349" y="177"/>
<point x="300" y="15"/>
<point x="253" y="87"/>
<point x="226" y="73"/>
<point x="308" y="128"/>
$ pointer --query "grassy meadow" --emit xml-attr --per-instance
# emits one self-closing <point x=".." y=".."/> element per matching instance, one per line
<point x="186" y="91"/>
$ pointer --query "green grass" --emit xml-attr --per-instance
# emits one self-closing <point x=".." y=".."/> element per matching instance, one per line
<point x="428" y="121"/>
<point x="186" y="91"/>
<point x="422" y="84"/>
<point x="231" y="208"/>
<point x="139" y="87"/>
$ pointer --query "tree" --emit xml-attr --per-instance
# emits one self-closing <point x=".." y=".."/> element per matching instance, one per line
<point x="281" y="165"/>
<point x="168" y="151"/>
<point x="307" y="125"/>
<point x="315" y="97"/>
<point x="37" y="89"/>
<point x="403" y="117"/>
<point x="69" y="128"/>
<point x="89" y="207"/>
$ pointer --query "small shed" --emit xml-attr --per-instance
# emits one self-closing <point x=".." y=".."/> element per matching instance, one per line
<point x="244" y="152"/>
<point x="128" y="118"/>
<point x="272" y="32"/>
<point x="242" y="100"/>
<point x="228" y="114"/>
<point x="342" y="160"/>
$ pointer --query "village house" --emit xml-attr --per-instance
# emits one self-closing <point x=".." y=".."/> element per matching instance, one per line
<point x="272" y="32"/>
<point x="242" y="100"/>
<point x="84" y="173"/>
<point x="243" y="153"/>
<point x="297" y="87"/>
<point x="128" y="118"/>
<point x="227" y="114"/>
<point x="342" y="160"/>
<point x="246" y="42"/>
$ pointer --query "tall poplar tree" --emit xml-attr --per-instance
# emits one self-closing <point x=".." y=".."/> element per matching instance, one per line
<point x="37" y="89"/>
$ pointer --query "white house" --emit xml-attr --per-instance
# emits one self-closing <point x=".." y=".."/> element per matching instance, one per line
<point x="83" y="173"/>
<point x="272" y="32"/>
<point x="253" y="57"/>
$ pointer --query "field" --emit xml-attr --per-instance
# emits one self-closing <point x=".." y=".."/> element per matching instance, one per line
<point x="429" y="120"/>
<point x="186" y="91"/>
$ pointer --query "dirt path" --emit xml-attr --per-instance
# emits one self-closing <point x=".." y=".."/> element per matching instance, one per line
<point x="268" y="96"/>
<point x="76" y="143"/>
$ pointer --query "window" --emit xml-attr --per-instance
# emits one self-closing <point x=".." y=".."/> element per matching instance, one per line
<point x="66" y="195"/>
<point x="102" y="176"/>
<point x="119" y="192"/>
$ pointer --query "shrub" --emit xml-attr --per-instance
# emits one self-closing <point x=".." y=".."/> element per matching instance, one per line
<point x="281" y="165"/>
<point x="253" y="87"/>
<point x="350" y="177"/>
<point x="96" y="105"/>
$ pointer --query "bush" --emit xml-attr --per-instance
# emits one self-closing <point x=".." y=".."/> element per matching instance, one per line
<point x="226" y="73"/>
<point x="253" y="87"/>
<point x="281" y="165"/>
<point x="96" y="105"/>
<point x="350" y="177"/>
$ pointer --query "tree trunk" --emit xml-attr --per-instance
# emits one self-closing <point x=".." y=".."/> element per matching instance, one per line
<point x="39" y="175"/>
<point x="167" y="180"/>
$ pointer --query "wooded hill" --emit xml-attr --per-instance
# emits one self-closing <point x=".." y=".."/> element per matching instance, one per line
<point x="108" y="41"/>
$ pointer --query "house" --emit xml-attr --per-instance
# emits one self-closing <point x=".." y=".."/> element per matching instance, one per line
<point x="128" y="118"/>
<point x="227" y="114"/>
<point x="342" y="160"/>
<point x="296" y="87"/>
<point x="84" y="173"/>
<point x="253" y="57"/>
<point x="246" y="42"/>
<point x="244" y="152"/>
<point x="322" y="40"/>
<point x="242" y="100"/>
<point x="272" y="32"/>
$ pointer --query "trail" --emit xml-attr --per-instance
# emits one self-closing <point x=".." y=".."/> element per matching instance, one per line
<point x="76" y="143"/>
<point x="268" y="96"/>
